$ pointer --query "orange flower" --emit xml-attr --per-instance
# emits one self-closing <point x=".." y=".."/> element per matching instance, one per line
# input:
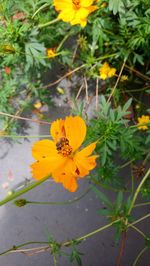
<point x="60" y="157"/>
<point x="74" y="11"/>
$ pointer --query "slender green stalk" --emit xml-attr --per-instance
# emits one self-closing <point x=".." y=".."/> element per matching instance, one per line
<point x="48" y="23"/>
<point x="138" y="190"/>
<point x="59" y="203"/>
<point x="22" y="191"/>
<point x="138" y="230"/>
<point x="22" y="245"/>
<point x="139" y="256"/>
<point x="141" y="204"/>
<point x="141" y="124"/>
<point x="92" y="233"/>
<point x="62" y="42"/>
<point x="39" y="9"/>
<point x="139" y="220"/>
<point x="126" y="164"/>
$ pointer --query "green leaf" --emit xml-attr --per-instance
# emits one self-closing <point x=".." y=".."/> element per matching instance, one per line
<point x="102" y="197"/>
<point x="119" y="200"/>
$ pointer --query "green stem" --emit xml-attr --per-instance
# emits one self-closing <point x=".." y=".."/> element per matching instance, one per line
<point x="139" y="255"/>
<point x="138" y="230"/>
<point x="142" y="124"/>
<point x="138" y="190"/>
<point x="48" y="23"/>
<point x="61" y="202"/>
<point x="39" y="9"/>
<point x="62" y="42"/>
<point x="126" y="164"/>
<point x="92" y="233"/>
<point x="22" y="245"/>
<point x="141" y="204"/>
<point x="139" y="220"/>
<point x="22" y="191"/>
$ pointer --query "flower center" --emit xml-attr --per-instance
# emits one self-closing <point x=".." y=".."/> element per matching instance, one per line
<point x="63" y="147"/>
<point x="76" y="3"/>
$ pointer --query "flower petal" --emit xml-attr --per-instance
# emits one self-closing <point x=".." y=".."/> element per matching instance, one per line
<point x="84" y="164"/>
<point x="88" y="150"/>
<point x="46" y="166"/>
<point x="43" y="148"/>
<point x="75" y="130"/>
<point x="57" y="130"/>
<point x="65" y="175"/>
<point x="86" y="3"/>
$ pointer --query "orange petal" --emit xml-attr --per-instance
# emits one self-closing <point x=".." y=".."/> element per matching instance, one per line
<point x="46" y="166"/>
<point x="43" y="148"/>
<point x="88" y="150"/>
<point x="75" y="129"/>
<point x="85" y="164"/>
<point x="65" y="175"/>
<point x="57" y="129"/>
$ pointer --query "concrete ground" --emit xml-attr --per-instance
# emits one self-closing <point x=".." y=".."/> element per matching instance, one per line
<point x="63" y="222"/>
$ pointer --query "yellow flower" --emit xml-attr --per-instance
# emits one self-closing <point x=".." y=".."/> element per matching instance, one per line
<point x="106" y="71"/>
<point x="74" y="11"/>
<point x="51" y="52"/>
<point x="124" y="78"/>
<point x="143" y="120"/>
<point x="61" y="157"/>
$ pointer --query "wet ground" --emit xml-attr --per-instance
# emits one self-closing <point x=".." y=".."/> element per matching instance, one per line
<point x="63" y="222"/>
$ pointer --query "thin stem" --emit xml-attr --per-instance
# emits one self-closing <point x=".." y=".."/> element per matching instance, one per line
<point x="138" y="230"/>
<point x="141" y="204"/>
<point x="22" y="191"/>
<point x="55" y="261"/>
<point x="139" y="256"/>
<point x="92" y="233"/>
<point x="22" y="245"/>
<point x="137" y="72"/>
<point x="39" y="9"/>
<point x="126" y="164"/>
<point x="139" y="220"/>
<point x="96" y="94"/>
<point x="48" y="23"/>
<point x="65" y="76"/>
<point x="62" y="42"/>
<point x="138" y="190"/>
<point x="114" y="88"/>
<point x="61" y="202"/>
<point x="25" y="118"/>
<point x="123" y="240"/>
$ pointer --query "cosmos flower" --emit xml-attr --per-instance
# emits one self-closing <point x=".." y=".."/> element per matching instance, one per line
<point x="74" y="11"/>
<point x="61" y="158"/>
<point x="143" y="120"/>
<point x="106" y="71"/>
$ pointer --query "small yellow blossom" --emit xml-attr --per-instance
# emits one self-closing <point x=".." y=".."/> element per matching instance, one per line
<point x="74" y="11"/>
<point x="106" y="71"/>
<point x="37" y="105"/>
<point x="124" y="78"/>
<point x="144" y="119"/>
<point x="51" y="52"/>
